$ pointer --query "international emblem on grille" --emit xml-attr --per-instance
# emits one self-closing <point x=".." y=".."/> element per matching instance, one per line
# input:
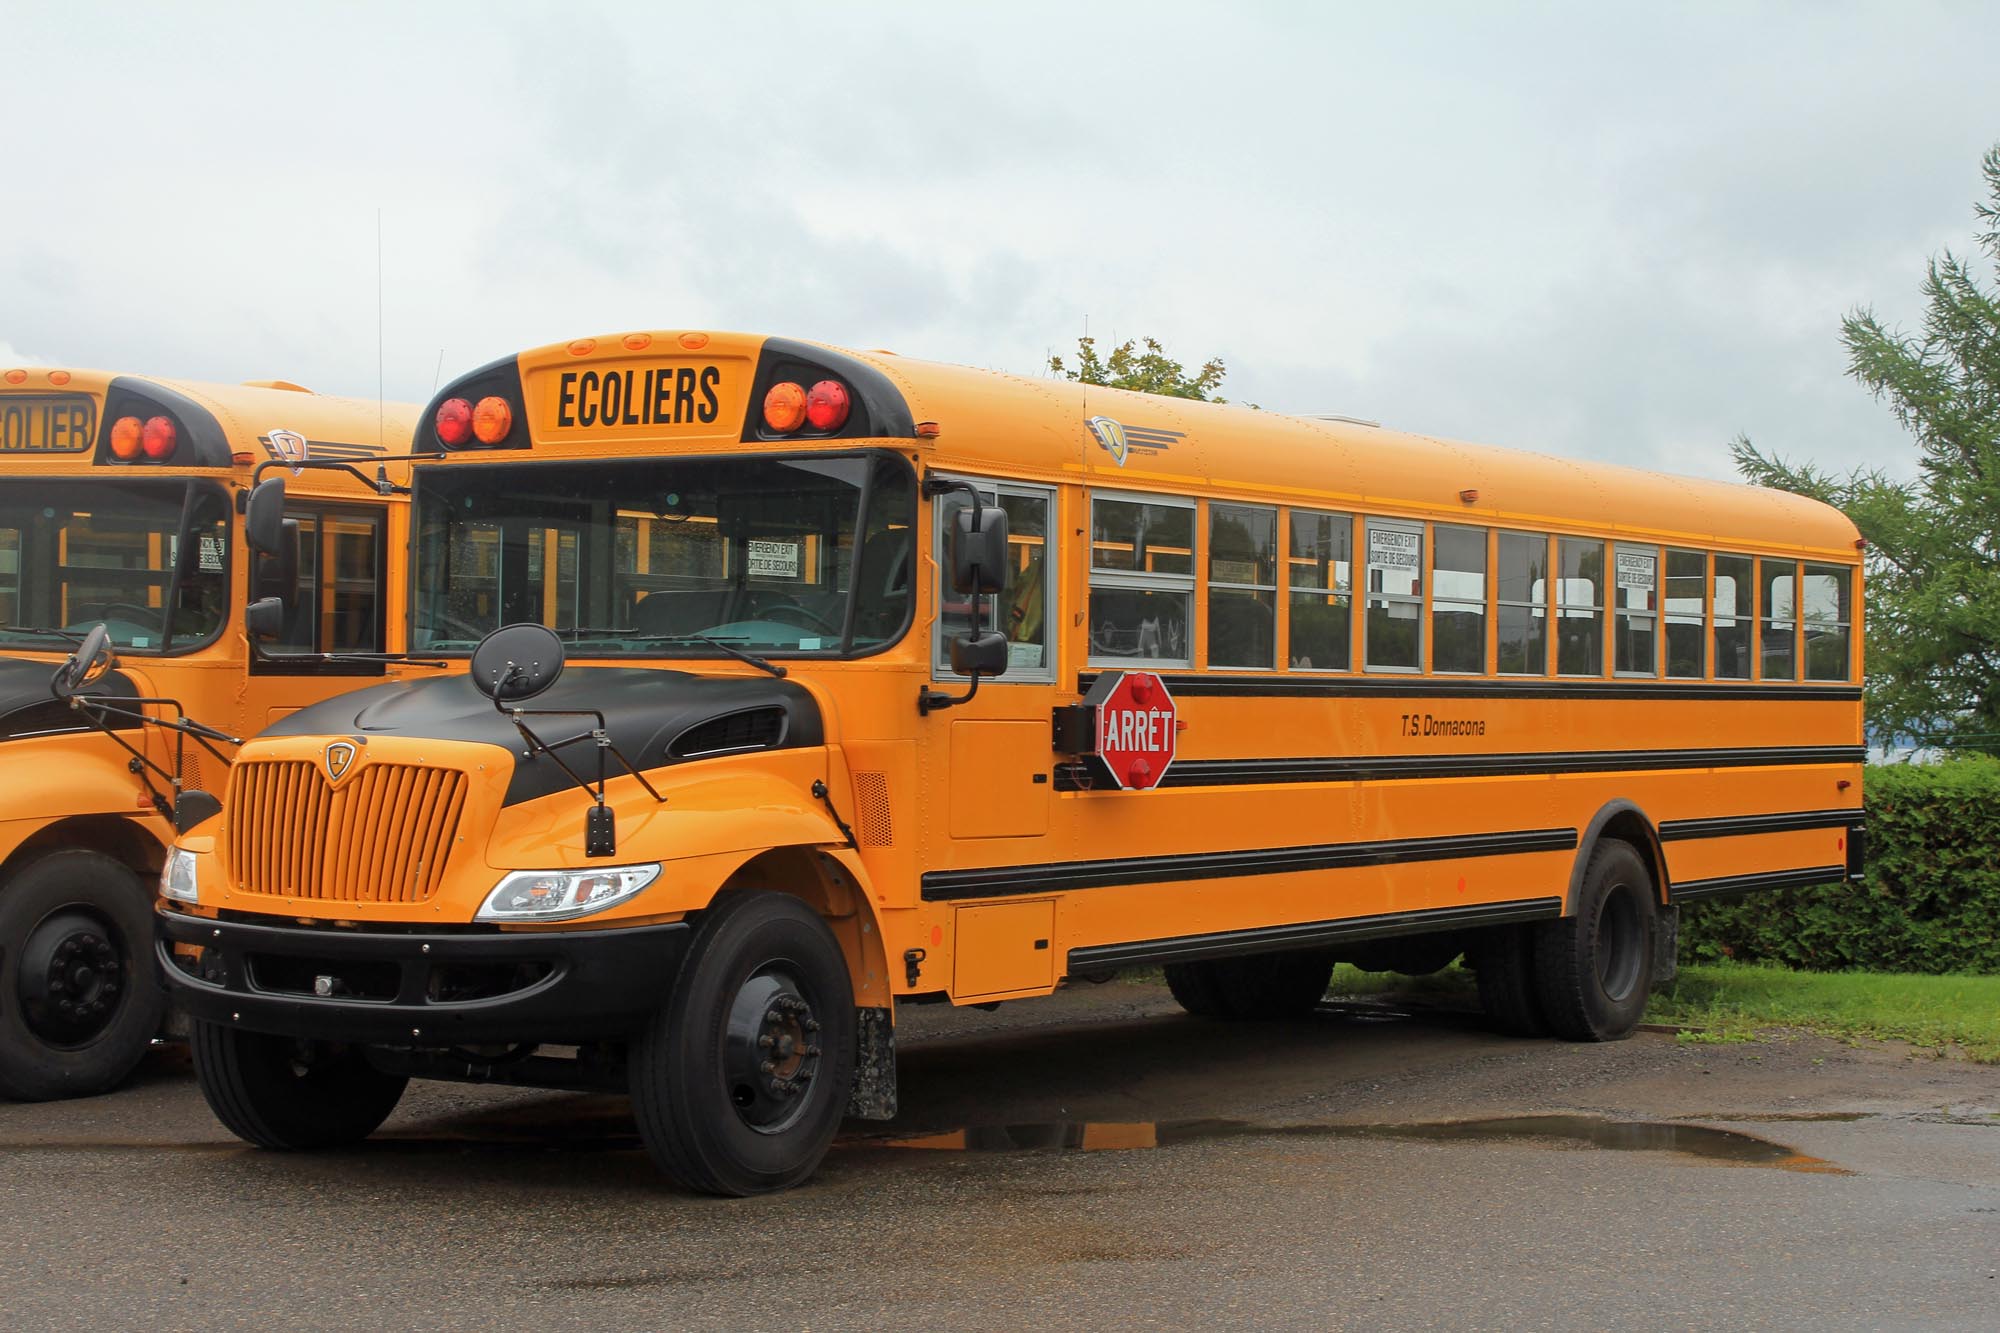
<point x="339" y="758"/>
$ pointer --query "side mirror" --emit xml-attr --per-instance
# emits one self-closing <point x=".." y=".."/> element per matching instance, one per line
<point x="92" y="658"/>
<point x="978" y="557"/>
<point x="264" y="516"/>
<point x="517" y="662"/>
<point x="979" y="654"/>
<point x="264" y="618"/>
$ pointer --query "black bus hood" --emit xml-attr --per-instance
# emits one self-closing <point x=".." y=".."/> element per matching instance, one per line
<point x="654" y="717"/>
<point x="28" y="709"/>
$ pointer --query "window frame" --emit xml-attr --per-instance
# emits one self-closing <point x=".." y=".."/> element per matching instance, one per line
<point x="1209" y="583"/>
<point x="1488" y="616"/>
<point x="1598" y="609"/>
<point x="1289" y="590"/>
<point x="1765" y="618"/>
<point x="1138" y="580"/>
<point x="1736" y="617"/>
<point x="1420" y="599"/>
<point x="1846" y="627"/>
<point x="1544" y="605"/>
<point x="1620" y="612"/>
<point x="1701" y="621"/>
<point x="990" y="490"/>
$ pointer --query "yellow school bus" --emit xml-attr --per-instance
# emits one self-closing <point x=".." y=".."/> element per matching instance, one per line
<point x="802" y="683"/>
<point x="118" y="502"/>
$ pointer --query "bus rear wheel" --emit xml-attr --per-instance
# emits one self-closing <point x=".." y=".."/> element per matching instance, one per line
<point x="1594" y="968"/>
<point x="287" y="1094"/>
<point x="78" y="999"/>
<point x="741" y="1078"/>
<point x="1273" y="985"/>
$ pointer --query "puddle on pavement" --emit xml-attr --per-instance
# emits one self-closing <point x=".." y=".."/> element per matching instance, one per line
<point x="1720" y="1147"/>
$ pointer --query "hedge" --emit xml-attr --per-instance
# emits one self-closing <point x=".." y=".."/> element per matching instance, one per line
<point x="1931" y="900"/>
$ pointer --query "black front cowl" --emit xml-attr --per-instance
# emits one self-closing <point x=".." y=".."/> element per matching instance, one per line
<point x="654" y="717"/>
<point x="28" y="709"/>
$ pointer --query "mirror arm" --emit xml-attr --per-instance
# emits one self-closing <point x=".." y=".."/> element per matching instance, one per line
<point x="930" y="701"/>
<point x="379" y="483"/>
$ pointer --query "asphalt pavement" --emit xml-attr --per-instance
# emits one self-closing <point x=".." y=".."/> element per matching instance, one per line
<point x="1094" y="1160"/>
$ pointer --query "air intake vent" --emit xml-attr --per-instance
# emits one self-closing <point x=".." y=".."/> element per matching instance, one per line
<point x="751" y="729"/>
<point x="871" y="810"/>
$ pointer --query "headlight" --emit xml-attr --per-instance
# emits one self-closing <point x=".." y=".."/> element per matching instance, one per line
<point x="558" y="895"/>
<point x="177" y="877"/>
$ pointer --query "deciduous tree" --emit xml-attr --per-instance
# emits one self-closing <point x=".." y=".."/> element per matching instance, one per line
<point x="1148" y="371"/>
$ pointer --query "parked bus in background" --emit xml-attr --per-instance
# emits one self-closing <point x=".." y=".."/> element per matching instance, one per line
<point x="894" y="682"/>
<point x="118" y="506"/>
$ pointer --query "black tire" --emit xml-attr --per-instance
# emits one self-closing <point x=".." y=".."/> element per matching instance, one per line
<point x="290" y="1095"/>
<point x="1506" y="972"/>
<point x="1272" y="985"/>
<point x="713" y="1115"/>
<point x="1594" y="968"/>
<point x="79" y="995"/>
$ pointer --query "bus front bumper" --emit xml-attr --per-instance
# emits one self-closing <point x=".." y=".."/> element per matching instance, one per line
<point x="572" y="986"/>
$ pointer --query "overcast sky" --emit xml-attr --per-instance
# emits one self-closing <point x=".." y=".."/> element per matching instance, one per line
<point x="1606" y="230"/>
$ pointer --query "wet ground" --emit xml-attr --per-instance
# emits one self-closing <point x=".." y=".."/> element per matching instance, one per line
<point x="1092" y="1160"/>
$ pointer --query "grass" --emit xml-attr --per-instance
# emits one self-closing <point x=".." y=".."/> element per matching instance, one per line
<point x="1726" y="999"/>
<point x="1726" y="1003"/>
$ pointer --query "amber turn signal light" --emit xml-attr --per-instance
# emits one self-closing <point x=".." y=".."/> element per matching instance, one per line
<point x="785" y="407"/>
<point x="125" y="434"/>
<point x="492" y="419"/>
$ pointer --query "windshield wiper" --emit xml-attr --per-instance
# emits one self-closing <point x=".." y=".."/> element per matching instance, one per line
<point x="760" y="663"/>
<point x="43" y="633"/>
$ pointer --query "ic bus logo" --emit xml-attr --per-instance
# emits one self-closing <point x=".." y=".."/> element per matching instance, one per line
<point x="1122" y="441"/>
<point x="339" y="758"/>
<point x="288" y="446"/>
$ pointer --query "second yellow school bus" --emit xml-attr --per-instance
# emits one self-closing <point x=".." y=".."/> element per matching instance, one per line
<point x="848" y="637"/>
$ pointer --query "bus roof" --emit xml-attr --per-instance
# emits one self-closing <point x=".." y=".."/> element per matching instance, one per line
<point x="1056" y="430"/>
<point x="221" y="426"/>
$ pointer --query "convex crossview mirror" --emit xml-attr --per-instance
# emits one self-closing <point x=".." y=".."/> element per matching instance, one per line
<point x="92" y="658"/>
<point x="517" y="662"/>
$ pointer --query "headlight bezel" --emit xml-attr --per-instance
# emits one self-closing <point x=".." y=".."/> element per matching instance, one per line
<point x="562" y="885"/>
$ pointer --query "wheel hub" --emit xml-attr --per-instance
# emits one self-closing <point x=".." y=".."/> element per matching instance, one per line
<point x="71" y="978"/>
<point x="772" y="1052"/>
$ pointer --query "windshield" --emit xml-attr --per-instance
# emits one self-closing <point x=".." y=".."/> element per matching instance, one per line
<point x="652" y="556"/>
<point x="147" y="558"/>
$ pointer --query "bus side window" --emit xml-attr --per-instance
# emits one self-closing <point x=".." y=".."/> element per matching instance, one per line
<point x="1827" y="613"/>
<point x="1523" y="604"/>
<point x="1732" y="617"/>
<point x="1686" y="572"/>
<point x="1320" y="575"/>
<point x="1635" y="645"/>
<point x="1141" y="581"/>
<point x="1580" y="608"/>
<point x="1458" y="599"/>
<point x="1242" y="586"/>
<point x="1392" y="631"/>
<point x="1024" y="609"/>
<point x="1777" y="624"/>
<point x="10" y="577"/>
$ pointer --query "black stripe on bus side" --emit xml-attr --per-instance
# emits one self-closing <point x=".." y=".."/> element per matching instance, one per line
<point x="1059" y="876"/>
<point x="1308" y="934"/>
<point x="1417" y="687"/>
<point x="1736" y="826"/>
<point x="1696" y="889"/>
<point x="1245" y="772"/>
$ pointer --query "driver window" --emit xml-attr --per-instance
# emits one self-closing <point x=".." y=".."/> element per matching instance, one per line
<point x="1023" y="610"/>
<point x="10" y="576"/>
<point x="339" y="609"/>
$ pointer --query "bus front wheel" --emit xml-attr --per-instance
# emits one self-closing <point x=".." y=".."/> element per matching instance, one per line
<point x="287" y="1094"/>
<point x="78" y="998"/>
<point x="1594" y="968"/>
<point x="741" y="1078"/>
<point x="1273" y="985"/>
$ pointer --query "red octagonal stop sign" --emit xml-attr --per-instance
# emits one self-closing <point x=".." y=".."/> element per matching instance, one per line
<point x="1136" y="727"/>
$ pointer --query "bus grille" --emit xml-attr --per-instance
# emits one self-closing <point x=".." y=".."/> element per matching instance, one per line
<point x="380" y="837"/>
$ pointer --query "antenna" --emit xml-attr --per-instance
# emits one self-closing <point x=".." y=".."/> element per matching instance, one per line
<point x="381" y="410"/>
<point x="438" y="374"/>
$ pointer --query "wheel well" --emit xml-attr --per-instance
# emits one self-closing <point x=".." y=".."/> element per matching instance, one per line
<point x="1623" y="822"/>
<point x="820" y="881"/>
<point x="123" y="840"/>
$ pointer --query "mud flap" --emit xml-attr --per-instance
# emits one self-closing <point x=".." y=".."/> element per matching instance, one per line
<point x="873" y="1096"/>
<point x="1666" y="946"/>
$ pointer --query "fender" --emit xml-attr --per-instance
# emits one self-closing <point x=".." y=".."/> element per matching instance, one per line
<point x="1625" y="820"/>
<point x="95" y="782"/>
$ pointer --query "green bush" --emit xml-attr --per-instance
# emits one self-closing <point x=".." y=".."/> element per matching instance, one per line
<point x="1931" y="900"/>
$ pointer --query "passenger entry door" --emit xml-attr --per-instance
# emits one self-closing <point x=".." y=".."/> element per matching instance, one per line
<point x="995" y="750"/>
